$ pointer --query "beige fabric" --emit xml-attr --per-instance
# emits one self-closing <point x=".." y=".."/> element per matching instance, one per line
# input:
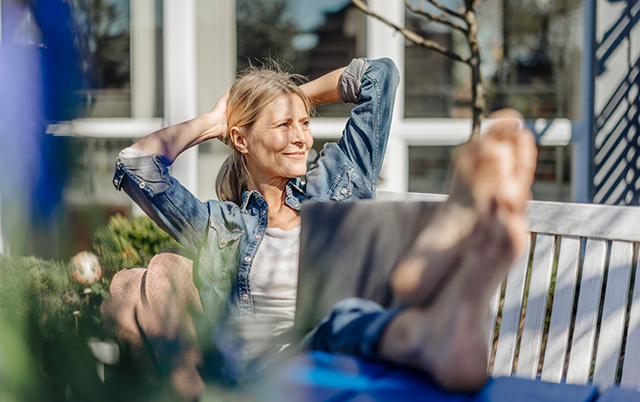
<point x="149" y="313"/>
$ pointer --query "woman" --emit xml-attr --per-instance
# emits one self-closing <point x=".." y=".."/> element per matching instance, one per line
<point x="246" y="243"/>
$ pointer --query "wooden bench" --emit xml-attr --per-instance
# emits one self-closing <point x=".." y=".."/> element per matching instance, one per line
<point x="569" y="310"/>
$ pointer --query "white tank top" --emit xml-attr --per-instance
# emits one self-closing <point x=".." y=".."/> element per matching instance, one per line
<point x="273" y="281"/>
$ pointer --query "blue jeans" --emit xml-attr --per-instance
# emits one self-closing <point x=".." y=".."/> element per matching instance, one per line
<point x="355" y="326"/>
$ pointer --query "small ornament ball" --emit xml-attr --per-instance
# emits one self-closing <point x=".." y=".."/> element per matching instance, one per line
<point x="72" y="298"/>
<point x="85" y="268"/>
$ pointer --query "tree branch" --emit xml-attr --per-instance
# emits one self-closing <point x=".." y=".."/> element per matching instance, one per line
<point x="447" y="10"/>
<point x="410" y="35"/>
<point x="470" y="4"/>
<point x="433" y="17"/>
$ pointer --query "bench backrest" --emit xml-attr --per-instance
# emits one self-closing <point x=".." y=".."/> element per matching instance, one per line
<point x="569" y="309"/>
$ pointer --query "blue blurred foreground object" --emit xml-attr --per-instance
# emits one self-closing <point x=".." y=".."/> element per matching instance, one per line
<point x="39" y="77"/>
<point x="321" y="376"/>
<point x="619" y="395"/>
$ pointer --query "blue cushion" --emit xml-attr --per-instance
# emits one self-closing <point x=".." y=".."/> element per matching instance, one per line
<point x="616" y="394"/>
<point x="321" y="376"/>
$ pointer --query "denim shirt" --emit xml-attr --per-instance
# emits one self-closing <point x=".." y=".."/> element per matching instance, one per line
<point x="226" y="236"/>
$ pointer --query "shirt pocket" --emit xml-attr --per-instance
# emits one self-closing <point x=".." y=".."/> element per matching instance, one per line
<point x="342" y="187"/>
<point x="221" y="255"/>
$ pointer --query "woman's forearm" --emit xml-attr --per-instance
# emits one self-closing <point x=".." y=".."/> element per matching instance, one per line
<point x="171" y="141"/>
<point x="325" y="89"/>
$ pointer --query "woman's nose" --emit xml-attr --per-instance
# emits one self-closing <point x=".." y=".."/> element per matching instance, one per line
<point x="298" y="134"/>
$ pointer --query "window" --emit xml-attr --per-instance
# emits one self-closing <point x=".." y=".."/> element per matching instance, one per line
<point x="531" y="55"/>
<point x="428" y="168"/>
<point x="313" y="37"/>
<point x="429" y="171"/>
<point x="122" y="73"/>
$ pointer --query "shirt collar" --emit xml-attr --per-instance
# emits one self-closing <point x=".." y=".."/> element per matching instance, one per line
<point x="295" y="194"/>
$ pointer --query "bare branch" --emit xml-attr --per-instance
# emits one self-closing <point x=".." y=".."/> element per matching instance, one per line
<point x="447" y="10"/>
<point x="470" y="4"/>
<point x="434" y="17"/>
<point x="410" y="35"/>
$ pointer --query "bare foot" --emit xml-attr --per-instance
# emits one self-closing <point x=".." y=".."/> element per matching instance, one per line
<point x="458" y="261"/>
<point x="492" y="178"/>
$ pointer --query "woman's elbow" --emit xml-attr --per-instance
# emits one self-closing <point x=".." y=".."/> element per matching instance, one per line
<point x="392" y="75"/>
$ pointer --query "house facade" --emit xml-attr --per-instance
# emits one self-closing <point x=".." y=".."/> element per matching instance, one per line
<point x="570" y="66"/>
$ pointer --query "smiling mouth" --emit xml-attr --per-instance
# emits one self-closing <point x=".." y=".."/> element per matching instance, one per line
<point x="296" y="155"/>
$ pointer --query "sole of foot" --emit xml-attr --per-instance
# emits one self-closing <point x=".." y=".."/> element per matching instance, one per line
<point x="491" y="182"/>
<point x="456" y="264"/>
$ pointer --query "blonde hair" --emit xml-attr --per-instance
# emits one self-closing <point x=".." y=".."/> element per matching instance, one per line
<point x="254" y="89"/>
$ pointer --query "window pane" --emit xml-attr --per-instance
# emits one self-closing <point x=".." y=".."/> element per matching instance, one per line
<point x="428" y="168"/>
<point x="105" y="44"/>
<point x="314" y="37"/>
<point x="531" y="55"/>
<point x="89" y="196"/>
<point x="553" y="174"/>
<point x="429" y="171"/>
<point x="98" y="58"/>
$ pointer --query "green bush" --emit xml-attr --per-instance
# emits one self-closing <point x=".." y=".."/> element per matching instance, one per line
<point x="43" y="344"/>
<point x="125" y="243"/>
<point x="32" y="287"/>
<point x="43" y="339"/>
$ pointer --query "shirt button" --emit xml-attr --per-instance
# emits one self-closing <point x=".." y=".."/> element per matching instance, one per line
<point x="296" y="205"/>
<point x="223" y="241"/>
<point x="343" y="191"/>
<point x="245" y="296"/>
<point x="142" y="185"/>
<point x="247" y="259"/>
<point x="258" y="236"/>
<point x="115" y="181"/>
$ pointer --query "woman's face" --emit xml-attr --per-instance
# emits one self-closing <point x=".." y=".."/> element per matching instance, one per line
<point x="277" y="145"/>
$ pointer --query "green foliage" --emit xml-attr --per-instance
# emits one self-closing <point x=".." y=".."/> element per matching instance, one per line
<point x="31" y="287"/>
<point x="44" y="352"/>
<point x="127" y="243"/>
<point x="43" y="339"/>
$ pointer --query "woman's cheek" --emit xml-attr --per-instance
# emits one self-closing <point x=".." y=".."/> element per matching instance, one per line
<point x="280" y="141"/>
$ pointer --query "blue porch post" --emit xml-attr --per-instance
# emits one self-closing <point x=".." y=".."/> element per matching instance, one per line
<point x="583" y="132"/>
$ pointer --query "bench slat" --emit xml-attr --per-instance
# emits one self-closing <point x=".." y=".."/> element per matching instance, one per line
<point x="511" y="311"/>
<point x="562" y="218"/>
<point x="613" y="314"/>
<point x="493" y="314"/>
<point x="631" y="365"/>
<point x="585" y="220"/>
<point x="587" y="313"/>
<point x="564" y="295"/>
<point x="536" y="307"/>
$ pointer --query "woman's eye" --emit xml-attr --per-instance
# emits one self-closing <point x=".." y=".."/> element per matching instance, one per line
<point x="305" y="123"/>
<point x="283" y="125"/>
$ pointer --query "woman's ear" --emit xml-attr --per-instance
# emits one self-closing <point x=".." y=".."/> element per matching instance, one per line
<point x="239" y="139"/>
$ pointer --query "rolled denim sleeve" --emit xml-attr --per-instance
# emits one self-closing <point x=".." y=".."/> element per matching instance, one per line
<point x="146" y="179"/>
<point x="373" y="85"/>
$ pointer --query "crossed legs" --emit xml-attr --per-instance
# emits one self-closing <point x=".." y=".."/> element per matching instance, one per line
<point x="455" y="265"/>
